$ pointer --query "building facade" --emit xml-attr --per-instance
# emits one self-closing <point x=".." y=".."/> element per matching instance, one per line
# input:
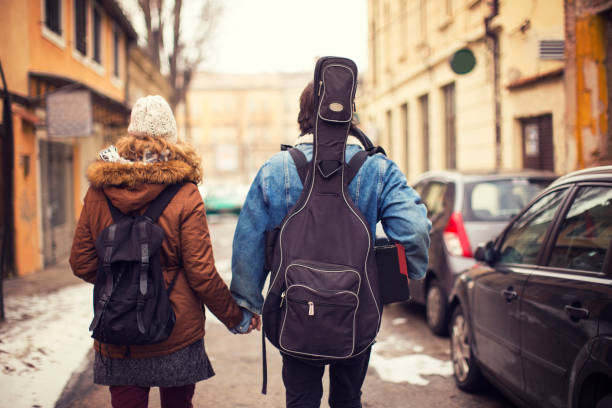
<point x="238" y="121"/>
<point x="430" y="116"/>
<point x="66" y="68"/>
<point x="588" y="80"/>
<point x="145" y="77"/>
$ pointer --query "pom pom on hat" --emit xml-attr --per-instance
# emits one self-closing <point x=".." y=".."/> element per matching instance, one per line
<point x="152" y="116"/>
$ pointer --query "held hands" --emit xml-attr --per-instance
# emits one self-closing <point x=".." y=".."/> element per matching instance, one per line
<point x="249" y="322"/>
<point x="255" y="323"/>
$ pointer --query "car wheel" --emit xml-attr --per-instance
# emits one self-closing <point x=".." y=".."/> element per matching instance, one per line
<point x="465" y="367"/>
<point x="435" y="309"/>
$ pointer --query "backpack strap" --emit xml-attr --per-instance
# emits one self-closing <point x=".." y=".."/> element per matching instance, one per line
<point x="264" y="364"/>
<point x="354" y="165"/>
<point x="157" y="206"/>
<point x="300" y="163"/>
<point x="109" y="241"/>
<point x="366" y="142"/>
<point x="115" y="213"/>
<point x="153" y="212"/>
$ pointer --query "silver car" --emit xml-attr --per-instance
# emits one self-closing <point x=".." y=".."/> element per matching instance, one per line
<point x="465" y="209"/>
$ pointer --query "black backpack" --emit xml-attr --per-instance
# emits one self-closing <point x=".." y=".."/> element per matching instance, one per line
<point x="323" y="301"/>
<point x="131" y="302"/>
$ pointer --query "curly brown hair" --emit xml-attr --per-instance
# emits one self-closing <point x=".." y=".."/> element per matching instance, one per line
<point x="134" y="147"/>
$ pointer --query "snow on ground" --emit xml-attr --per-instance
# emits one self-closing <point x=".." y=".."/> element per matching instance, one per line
<point x="44" y="339"/>
<point x="393" y="361"/>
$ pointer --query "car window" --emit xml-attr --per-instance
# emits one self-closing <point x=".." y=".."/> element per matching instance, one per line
<point x="584" y="236"/>
<point x="525" y="237"/>
<point x="434" y="198"/>
<point x="419" y="188"/>
<point x="499" y="200"/>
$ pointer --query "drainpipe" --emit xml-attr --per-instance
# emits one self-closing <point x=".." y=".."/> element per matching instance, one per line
<point x="494" y="41"/>
<point x="7" y="230"/>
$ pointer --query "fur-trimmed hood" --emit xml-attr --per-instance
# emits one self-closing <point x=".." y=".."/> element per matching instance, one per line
<point x="103" y="174"/>
<point x="180" y="163"/>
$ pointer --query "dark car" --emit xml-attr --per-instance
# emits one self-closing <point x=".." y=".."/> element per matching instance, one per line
<point x="465" y="209"/>
<point x="534" y="316"/>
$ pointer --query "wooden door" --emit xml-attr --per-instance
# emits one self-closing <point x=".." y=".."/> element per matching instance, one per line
<point x="537" y="143"/>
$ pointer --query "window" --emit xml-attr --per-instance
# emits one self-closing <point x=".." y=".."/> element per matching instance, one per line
<point x="116" y="52"/>
<point x="387" y="27"/>
<point x="434" y="199"/>
<point x="423" y="21"/>
<point x="419" y="188"/>
<point x="97" y="34"/>
<point x="80" y="25"/>
<point x="424" y="110"/>
<point x="404" y="111"/>
<point x="449" y="126"/>
<point x="525" y="238"/>
<point x="373" y="40"/>
<point x="389" y="116"/>
<point x="404" y="29"/>
<point x="585" y="234"/>
<point x="499" y="200"/>
<point x="53" y="16"/>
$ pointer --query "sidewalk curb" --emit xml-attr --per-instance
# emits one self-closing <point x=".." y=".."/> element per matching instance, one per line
<point x="79" y="384"/>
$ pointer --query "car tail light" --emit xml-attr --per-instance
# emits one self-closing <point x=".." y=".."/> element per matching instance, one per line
<point x="455" y="237"/>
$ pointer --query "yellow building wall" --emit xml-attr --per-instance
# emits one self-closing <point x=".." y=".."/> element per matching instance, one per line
<point x="27" y="240"/>
<point x="48" y="57"/>
<point x="524" y="24"/>
<point x="24" y="48"/>
<point x="253" y="113"/>
<point x="591" y="89"/>
<point x="532" y="101"/>
<point x="14" y="38"/>
<point x="410" y="45"/>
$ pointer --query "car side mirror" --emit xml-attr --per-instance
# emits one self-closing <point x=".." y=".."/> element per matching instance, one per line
<point x="486" y="252"/>
<point x="479" y="254"/>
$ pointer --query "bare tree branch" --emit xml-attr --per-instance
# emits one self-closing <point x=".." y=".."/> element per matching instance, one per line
<point x="183" y="56"/>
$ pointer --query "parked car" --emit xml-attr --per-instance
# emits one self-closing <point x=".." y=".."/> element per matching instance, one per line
<point x="465" y="209"/>
<point x="534" y="316"/>
<point x="224" y="198"/>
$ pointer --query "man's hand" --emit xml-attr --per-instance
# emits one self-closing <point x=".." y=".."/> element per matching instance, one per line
<point x="255" y="323"/>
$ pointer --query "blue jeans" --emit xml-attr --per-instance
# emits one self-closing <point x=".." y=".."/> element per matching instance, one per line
<point x="304" y="387"/>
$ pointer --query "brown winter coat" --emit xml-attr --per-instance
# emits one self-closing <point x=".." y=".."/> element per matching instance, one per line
<point x="131" y="187"/>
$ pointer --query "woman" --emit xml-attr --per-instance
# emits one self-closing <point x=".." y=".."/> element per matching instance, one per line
<point x="131" y="175"/>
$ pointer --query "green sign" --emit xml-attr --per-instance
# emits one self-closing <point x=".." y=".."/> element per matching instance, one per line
<point x="463" y="61"/>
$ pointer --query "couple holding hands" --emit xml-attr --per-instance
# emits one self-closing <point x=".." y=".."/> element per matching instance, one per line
<point x="137" y="169"/>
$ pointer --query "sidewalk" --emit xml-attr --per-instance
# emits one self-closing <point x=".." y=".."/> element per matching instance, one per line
<point x="46" y="355"/>
<point x="42" y="340"/>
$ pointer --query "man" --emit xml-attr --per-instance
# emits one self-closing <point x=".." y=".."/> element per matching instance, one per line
<point x="382" y="194"/>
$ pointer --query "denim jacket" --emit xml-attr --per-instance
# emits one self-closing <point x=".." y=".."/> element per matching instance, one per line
<point x="379" y="190"/>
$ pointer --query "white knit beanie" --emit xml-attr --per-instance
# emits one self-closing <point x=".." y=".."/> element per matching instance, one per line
<point x="152" y="116"/>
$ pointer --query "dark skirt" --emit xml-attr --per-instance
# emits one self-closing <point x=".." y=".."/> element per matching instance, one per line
<point x="186" y="366"/>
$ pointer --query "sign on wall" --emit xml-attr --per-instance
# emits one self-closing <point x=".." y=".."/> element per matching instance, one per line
<point x="69" y="114"/>
<point x="463" y="61"/>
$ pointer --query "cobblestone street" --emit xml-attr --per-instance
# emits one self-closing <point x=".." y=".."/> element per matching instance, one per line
<point x="409" y="367"/>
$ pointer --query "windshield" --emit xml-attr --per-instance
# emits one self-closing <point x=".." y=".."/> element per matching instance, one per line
<point x="500" y="200"/>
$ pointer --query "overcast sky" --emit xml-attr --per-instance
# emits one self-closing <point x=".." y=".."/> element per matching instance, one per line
<point x="287" y="35"/>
